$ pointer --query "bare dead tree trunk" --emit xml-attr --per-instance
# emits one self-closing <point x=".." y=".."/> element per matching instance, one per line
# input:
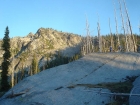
<point x="126" y="42"/>
<point x="136" y="41"/>
<point x="116" y="25"/>
<point x="87" y="40"/>
<point x="92" y="45"/>
<point x="85" y="49"/>
<point x="104" y="43"/>
<point x="130" y="43"/>
<point x="139" y="28"/>
<point x="89" y="44"/>
<point x="133" y="38"/>
<point x="99" y="37"/>
<point x="12" y="75"/>
<point x="111" y="37"/>
<point x="104" y="46"/>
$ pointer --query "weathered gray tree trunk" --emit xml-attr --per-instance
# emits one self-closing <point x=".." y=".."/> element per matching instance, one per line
<point x="133" y="38"/>
<point x="12" y="75"/>
<point x="116" y="26"/>
<point x="139" y="28"/>
<point x="88" y="37"/>
<point x="126" y="41"/>
<point x="99" y="36"/>
<point x="130" y="42"/>
<point x="111" y="36"/>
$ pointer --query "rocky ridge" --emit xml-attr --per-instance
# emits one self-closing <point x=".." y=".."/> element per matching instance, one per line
<point x="42" y="43"/>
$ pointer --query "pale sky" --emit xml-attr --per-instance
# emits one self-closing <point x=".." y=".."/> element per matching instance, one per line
<point x="25" y="16"/>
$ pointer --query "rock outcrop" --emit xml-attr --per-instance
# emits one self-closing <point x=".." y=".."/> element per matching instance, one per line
<point x="72" y="84"/>
<point x="42" y="43"/>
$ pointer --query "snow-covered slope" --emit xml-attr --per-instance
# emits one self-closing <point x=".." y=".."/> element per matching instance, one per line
<point x="50" y="87"/>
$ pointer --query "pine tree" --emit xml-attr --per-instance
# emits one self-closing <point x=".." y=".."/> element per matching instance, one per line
<point x="6" y="61"/>
<point x="35" y="68"/>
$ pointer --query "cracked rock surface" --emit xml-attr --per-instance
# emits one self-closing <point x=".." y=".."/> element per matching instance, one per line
<point x="50" y="87"/>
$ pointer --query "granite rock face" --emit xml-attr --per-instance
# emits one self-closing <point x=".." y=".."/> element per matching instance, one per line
<point x="42" y="43"/>
<point x="59" y="85"/>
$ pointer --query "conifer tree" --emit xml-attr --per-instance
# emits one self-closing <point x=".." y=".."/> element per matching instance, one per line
<point x="35" y="68"/>
<point x="6" y="61"/>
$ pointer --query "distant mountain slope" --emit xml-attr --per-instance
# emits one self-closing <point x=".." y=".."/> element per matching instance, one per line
<point x="41" y="44"/>
<point x="59" y="85"/>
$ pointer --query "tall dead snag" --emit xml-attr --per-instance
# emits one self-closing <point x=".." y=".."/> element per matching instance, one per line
<point x="126" y="41"/>
<point x="116" y="25"/>
<point x="12" y="73"/>
<point x="111" y="36"/>
<point x="87" y="37"/>
<point x="99" y="37"/>
<point x="104" y="45"/>
<point x="133" y="38"/>
<point x="139" y="28"/>
<point x="87" y="43"/>
<point x="82" y="47"/>
<point x="130" y="43"/>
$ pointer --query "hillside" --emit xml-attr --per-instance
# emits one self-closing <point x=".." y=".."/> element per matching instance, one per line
<point x="43" y="45"/>
<point x="73" y="83"/>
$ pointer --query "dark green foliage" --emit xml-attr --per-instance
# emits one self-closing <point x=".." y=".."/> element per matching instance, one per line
<point x="96" y="44"/>
<point x="59" y="60"/>
<point x="6" y="41"/>
<point x="15" y="51"/>
<point x="35" y="68"/>
<point x="115" y="38"/>
<point x="4" y="76"/>
<point x="22" y="73"/>
<point x="6" y="62"/>
<point x="138" y="39"/>
<point x="2" y="93"/>
<point x="16" y="79"/>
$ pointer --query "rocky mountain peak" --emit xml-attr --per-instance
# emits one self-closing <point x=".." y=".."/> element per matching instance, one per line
<point x="30" y="35"/>
<point x="43" y="42"/>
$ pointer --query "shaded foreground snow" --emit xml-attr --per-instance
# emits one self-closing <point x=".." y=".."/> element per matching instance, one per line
<point x="49" y="87"/>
